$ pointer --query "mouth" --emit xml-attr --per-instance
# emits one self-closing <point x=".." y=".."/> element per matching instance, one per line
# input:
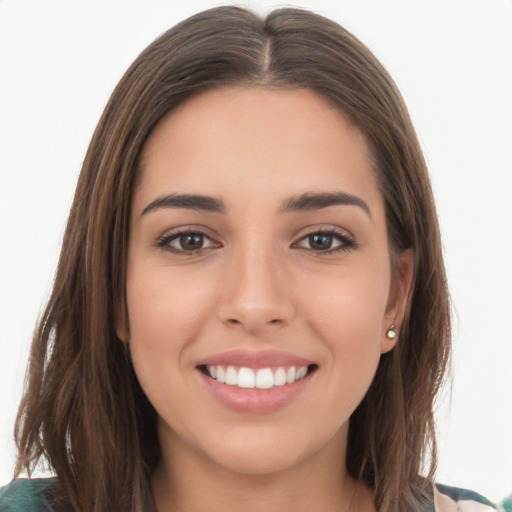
<point x="256" y="382"/>
<point x="265" y="378"/>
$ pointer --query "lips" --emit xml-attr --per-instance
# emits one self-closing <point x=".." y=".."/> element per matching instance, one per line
<point x="258" y="382"/>
<point x="255" y="359"/>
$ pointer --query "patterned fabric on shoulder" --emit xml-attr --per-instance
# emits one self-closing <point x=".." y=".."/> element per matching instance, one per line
<point x="29" y="495"/>
<point x="505" y="505"/>
<point x="453" y="499"/>
<point x="26" y="495"/>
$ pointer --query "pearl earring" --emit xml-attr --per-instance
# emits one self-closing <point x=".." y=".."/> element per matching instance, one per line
<point x="391" y="333"/>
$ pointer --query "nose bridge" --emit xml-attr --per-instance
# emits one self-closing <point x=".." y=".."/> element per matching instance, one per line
<point x="255" y="292"/>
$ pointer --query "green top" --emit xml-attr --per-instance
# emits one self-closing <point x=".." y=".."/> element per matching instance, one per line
<point x="23" y="495"/>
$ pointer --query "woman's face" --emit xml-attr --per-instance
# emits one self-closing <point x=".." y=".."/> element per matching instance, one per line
<point x="258" y="252"/>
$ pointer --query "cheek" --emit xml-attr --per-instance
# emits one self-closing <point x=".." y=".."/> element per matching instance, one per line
<point x="348" y="315"/>
<point x="166" y="308"/>
<point x="352" y="302"/>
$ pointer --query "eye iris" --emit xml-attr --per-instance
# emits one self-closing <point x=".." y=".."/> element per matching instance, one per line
<point x="191" y="241"/>
<point x="320" y="241"/>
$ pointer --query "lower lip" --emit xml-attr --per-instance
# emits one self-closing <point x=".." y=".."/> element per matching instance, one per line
<point x="255" y="400"/>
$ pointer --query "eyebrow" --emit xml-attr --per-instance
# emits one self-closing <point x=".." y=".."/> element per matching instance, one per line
<point x="317" y="201"/>
<point x="305" y="202"/>
<point x="188" y="202"/>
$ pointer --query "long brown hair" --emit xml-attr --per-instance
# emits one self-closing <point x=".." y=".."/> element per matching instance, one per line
<point x="83" y="411"/>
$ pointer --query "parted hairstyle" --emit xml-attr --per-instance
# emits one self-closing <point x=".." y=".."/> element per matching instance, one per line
<point x="83" y="412"/>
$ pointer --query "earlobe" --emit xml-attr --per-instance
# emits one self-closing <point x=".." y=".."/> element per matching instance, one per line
<point x="399" y="299"/>
<point x="389" y="340"/>
<point x="391" y="333"/>
<point x="121" y="323"/>
<point x="122" y="333"/>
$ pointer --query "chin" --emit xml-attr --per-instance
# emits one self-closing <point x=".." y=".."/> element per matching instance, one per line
<point x="257" y="461"/>
<point x="263" y="452"/>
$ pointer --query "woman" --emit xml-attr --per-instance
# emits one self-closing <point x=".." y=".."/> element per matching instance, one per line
<point x="250" y="305"/>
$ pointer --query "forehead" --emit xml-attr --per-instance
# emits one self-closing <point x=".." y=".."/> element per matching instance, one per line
<point x="256" y="141"/>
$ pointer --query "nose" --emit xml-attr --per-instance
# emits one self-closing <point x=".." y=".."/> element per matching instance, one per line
<point x="256" y="292"/>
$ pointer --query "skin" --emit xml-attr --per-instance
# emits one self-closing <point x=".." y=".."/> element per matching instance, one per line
<point x="257" y="283"/>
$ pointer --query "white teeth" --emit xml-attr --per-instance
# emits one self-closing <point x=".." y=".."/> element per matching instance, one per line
<point x="301" y="372"/>
<point x="263" y="378"/>
<point x="246" y="378"/>
<point x="231" y="376"/>
<point x="280" y="377"/>
<point x="221" y="377"/>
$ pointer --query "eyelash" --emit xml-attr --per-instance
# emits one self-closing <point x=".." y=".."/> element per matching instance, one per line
<point x="165" y="241"/>
<point x="346" y="241"/>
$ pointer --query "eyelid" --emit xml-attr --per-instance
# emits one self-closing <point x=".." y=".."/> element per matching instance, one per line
<point x="163" y="241"/>
<point x="346" y="239"/>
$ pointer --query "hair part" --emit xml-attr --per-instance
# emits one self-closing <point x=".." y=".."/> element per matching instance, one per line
<point x="83" y="410"/>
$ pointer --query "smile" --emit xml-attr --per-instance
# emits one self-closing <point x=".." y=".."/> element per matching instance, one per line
<point x="256" y="382"/>
<point x="262" y="378"/>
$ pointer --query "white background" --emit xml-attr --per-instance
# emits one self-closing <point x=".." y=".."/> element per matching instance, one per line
<point x="452" y="59"/>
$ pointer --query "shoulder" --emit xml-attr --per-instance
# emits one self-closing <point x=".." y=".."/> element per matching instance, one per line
<point x="26" y="495"/>
<point x="506" y="504"/>
<point x="453" y="499"/>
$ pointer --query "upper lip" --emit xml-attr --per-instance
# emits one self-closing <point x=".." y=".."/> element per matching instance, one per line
<point x="255" y="359"/>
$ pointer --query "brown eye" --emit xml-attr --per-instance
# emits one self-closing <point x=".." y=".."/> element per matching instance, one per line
<point x="190" y="241"/>
<point x="320" y="241"/>
<point x="326" y="242"/>
<point x="186" y="242"/>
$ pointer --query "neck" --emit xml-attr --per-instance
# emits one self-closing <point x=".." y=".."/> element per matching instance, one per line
<point x="187" y="481"/>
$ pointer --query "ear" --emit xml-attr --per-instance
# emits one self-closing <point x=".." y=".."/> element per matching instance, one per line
<point x="399" y="294"/>
<point x="121" y="323"/>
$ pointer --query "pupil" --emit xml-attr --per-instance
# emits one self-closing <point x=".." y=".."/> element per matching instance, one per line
<point x="320" y="241"/>
<point x="191" y="241"/>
